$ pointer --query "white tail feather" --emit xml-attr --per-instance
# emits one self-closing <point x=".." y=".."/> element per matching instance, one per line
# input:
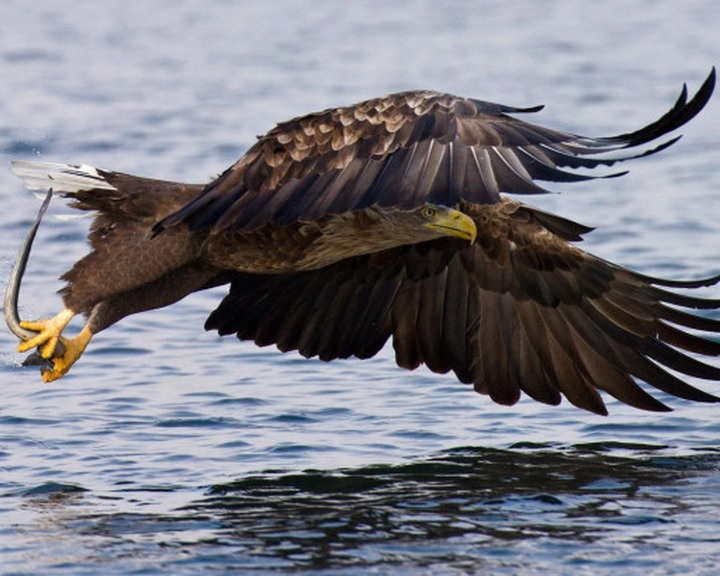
<point x="63" y="217"/>
<point x="59" y="177"/>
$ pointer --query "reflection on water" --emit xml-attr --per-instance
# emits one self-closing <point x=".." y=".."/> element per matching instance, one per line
<point x="432" y="510"/>
<point x="577" y="510"/>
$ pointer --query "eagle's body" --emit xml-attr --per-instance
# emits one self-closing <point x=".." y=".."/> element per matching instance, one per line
<point x="341" y="229"/>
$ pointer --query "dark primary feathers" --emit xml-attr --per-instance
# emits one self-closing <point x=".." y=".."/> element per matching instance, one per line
<point x="519" y="310"/>
<point x="543" y="317"/>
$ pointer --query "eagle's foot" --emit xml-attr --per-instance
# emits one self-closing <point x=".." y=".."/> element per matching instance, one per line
<point x="48" y="333"/>
<point x="73" y="348"/>
<point x="58" y="353"/>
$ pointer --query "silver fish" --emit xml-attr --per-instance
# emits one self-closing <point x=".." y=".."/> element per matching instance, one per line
<point x="12" y="292"/>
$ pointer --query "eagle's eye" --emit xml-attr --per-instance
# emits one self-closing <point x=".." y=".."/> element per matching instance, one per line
<point x="428" y="212"/>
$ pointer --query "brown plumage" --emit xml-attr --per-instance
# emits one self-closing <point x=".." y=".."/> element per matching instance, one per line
<point x="322" y="231"/>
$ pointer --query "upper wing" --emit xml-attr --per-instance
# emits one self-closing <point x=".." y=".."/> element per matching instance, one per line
<point x="520" y="309"/>
<point x="404" y="150"/>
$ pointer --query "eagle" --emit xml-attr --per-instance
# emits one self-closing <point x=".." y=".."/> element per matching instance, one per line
<point x="394" y="218"/>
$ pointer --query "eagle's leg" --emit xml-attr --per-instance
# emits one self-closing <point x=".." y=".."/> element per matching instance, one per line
<point x="49" y="334"/>
<point x="74" y="347"/>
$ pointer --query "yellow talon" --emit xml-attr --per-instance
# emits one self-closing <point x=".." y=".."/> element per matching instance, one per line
<point x="74" y="347"/>
<point x="46" y="341"/>
<point x="48" y="333"/>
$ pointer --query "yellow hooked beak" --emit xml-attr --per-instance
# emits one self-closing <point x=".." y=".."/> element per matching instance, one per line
<point x="452" y="223"/>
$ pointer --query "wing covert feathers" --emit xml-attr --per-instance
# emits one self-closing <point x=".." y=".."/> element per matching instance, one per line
<point x="406" y="149"/>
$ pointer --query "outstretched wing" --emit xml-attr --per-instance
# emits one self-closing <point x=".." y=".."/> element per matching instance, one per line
<point x="519" y="310"/>
<point x="404" y="150"/>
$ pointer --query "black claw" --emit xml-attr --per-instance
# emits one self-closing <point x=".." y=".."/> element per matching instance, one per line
<point x="35" y="359"/>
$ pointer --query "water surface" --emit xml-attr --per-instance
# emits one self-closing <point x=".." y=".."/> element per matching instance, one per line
<point x="171" y="450"/>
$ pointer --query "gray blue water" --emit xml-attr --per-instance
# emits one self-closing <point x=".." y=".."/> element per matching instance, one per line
<point x="170" y="450"/>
